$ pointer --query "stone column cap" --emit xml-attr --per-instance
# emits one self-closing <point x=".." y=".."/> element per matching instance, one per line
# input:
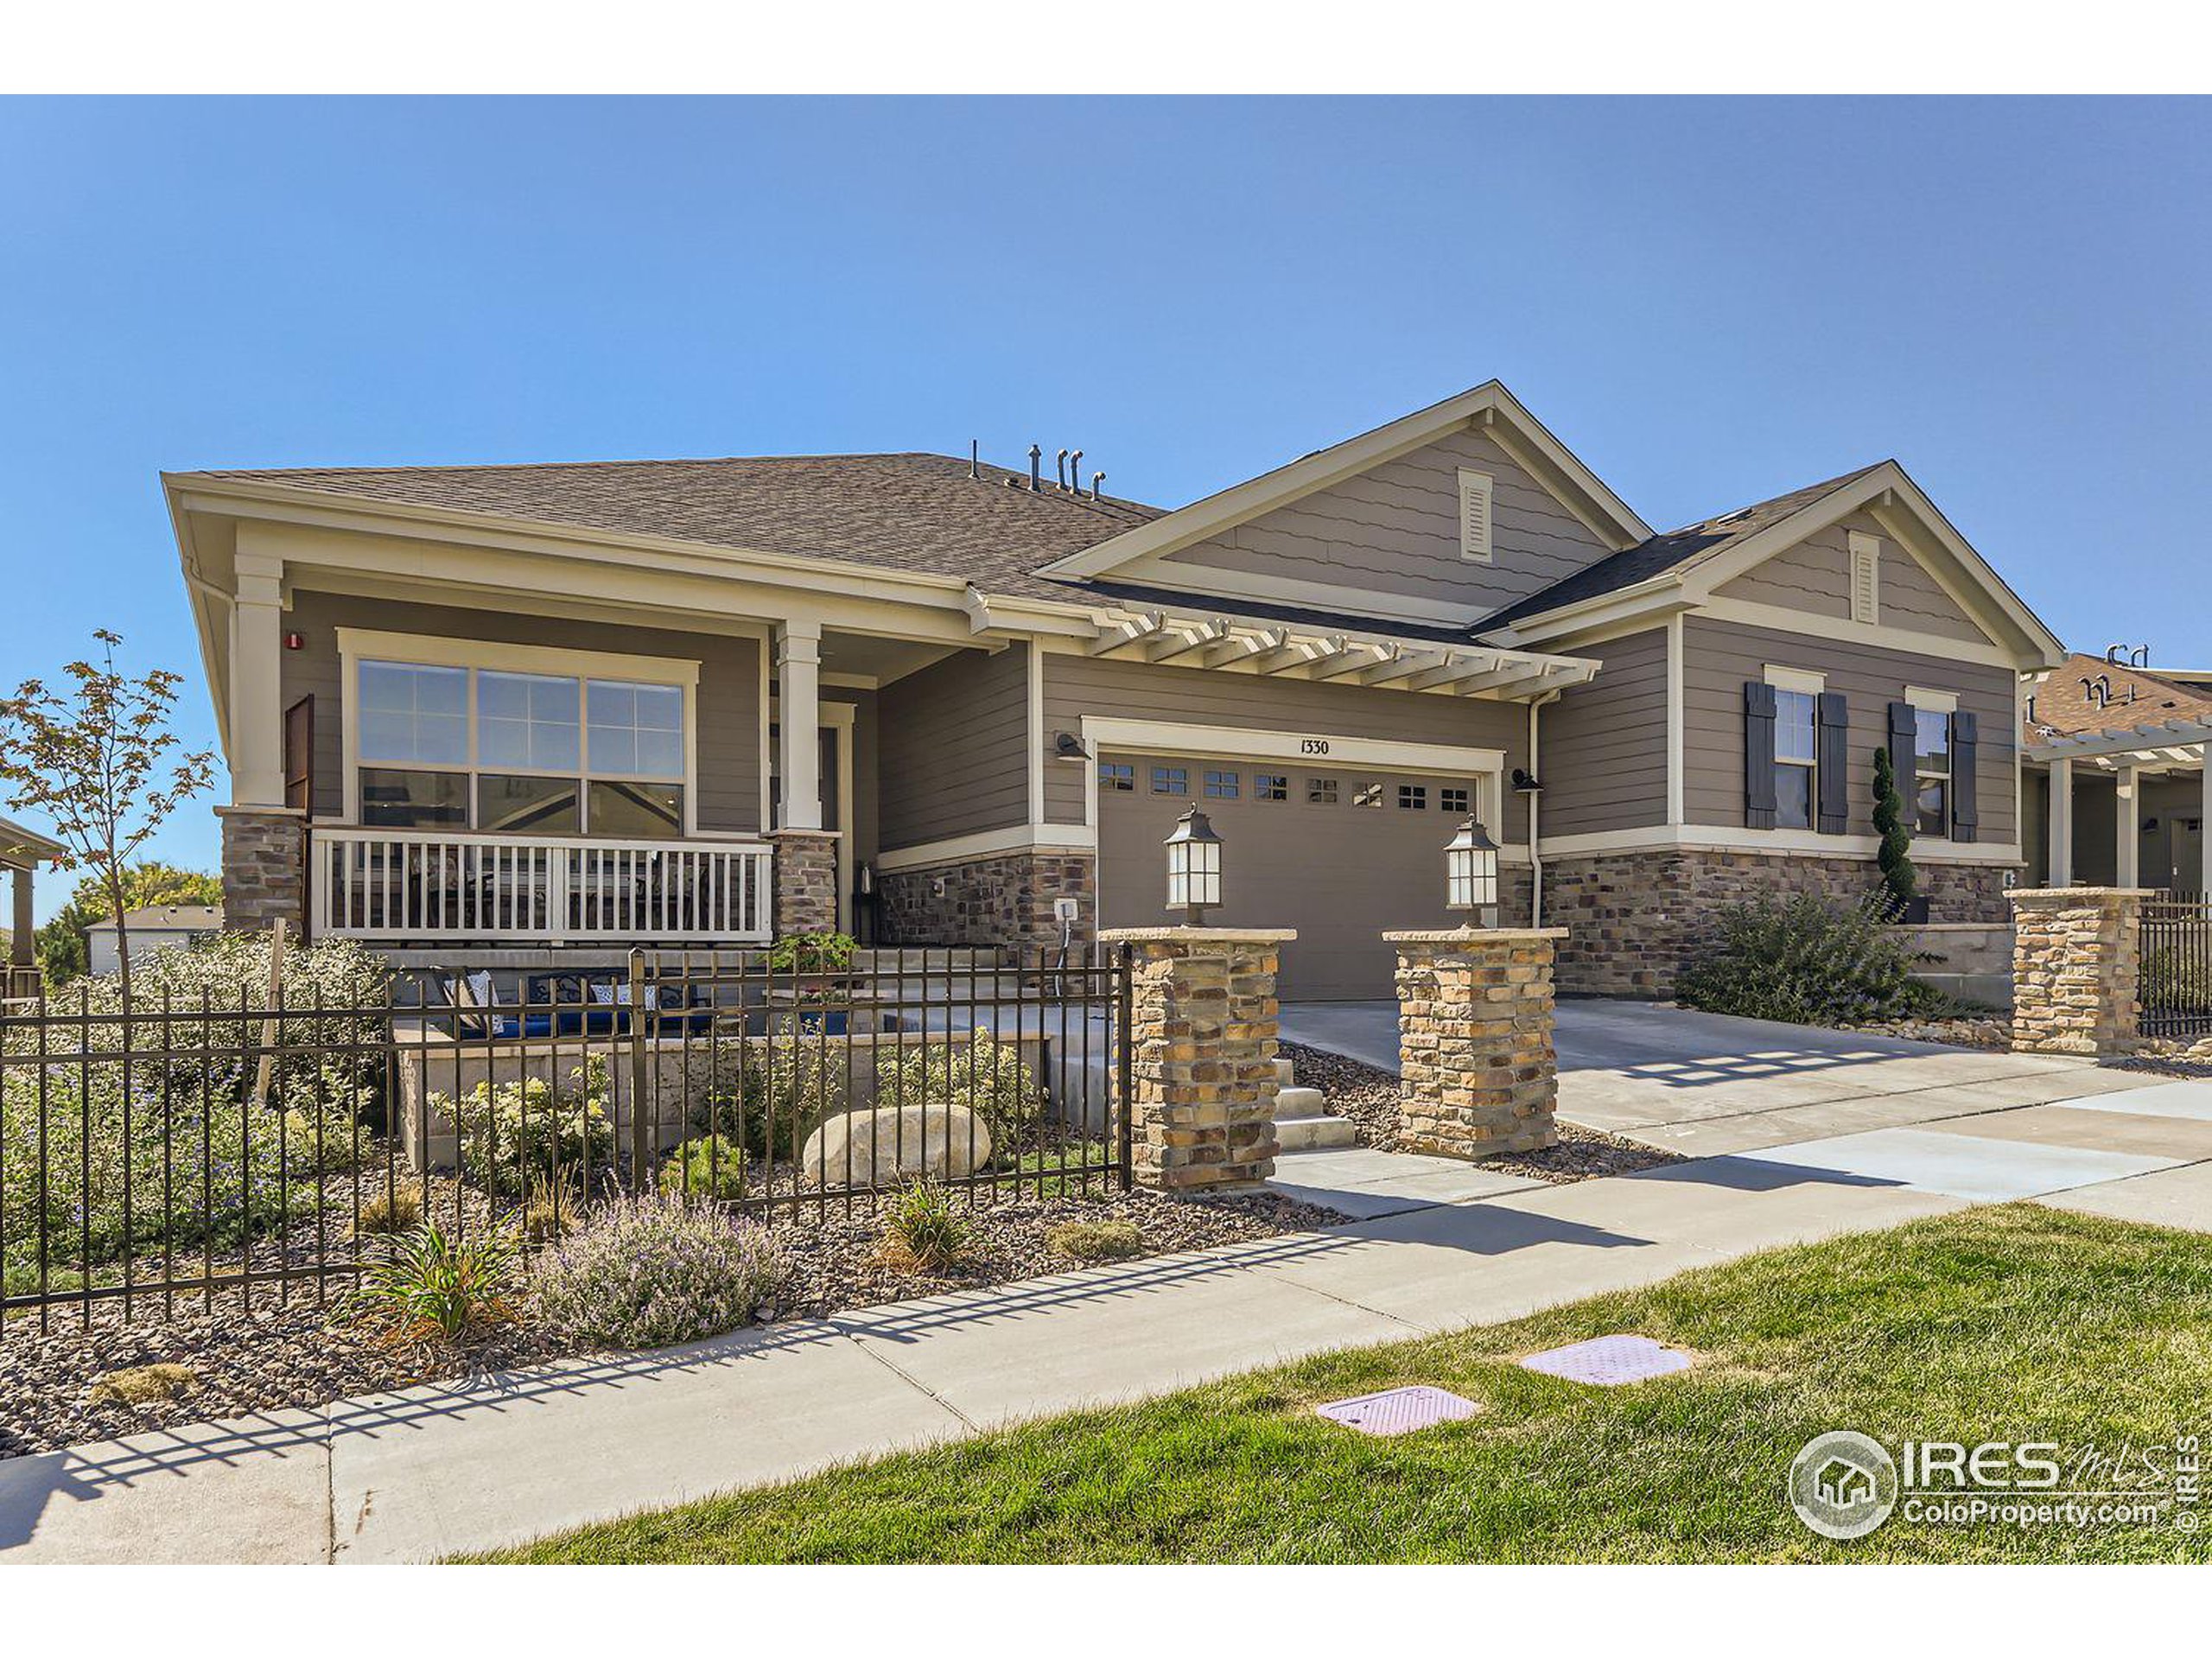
<point x="1197" y="935"/>
<point x="2075" y="895"/>
<point x="1472" y="935"/>
<point x="802" y="835"/>
<point x="247" y="810"/>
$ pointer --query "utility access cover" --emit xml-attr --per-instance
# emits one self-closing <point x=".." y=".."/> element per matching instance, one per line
<point x="1399" y="1411"/>
<point x="1610" y="1360"/>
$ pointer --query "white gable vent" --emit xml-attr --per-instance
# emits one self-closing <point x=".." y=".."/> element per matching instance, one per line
<point x="1866" y="577"/>
<point x="1474" y="516"/>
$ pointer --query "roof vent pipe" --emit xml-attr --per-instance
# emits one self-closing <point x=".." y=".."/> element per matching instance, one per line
<point x="1096" y="478"/>
<point x="1036" y="464"/>
<point x="975" y="458"/>
<point x="1075" y="471"/>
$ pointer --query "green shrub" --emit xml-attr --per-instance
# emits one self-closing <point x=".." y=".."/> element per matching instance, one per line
<point x="524" y="1133"/>
<point x="706" y="1166"/>
<point x="1096" y="1241"/>
<point x="1899" y="880"/>
<point x="435" y="1285"/>
<point x="985" y="1076"/>
<point x="922" y="1228"/>
<point x="648" y="1271"/>
<point x="751" y="1089"/>
<point x="811" y="953"/>
<point x="1809" y="962"/>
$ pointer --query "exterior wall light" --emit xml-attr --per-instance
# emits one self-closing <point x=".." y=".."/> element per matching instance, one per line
<point x="1193" y="867"/>
<point x="1471" y="869"/>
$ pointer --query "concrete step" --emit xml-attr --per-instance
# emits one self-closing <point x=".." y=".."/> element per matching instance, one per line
<point x="1313" y="1134"/>
<point x="1296" y="1102"/>
<point x="1285" y="1074"/>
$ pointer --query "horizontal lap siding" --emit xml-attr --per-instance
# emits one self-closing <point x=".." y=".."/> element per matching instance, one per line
<point x="1394" y="529"/>
<point x="1814" y="577"/>
<point x="728" y="704"/>
<point x="1720" y="657"/>
<point x="953" y="749"/>
<point x="1075" y="686"/>
<point x="1604" y="745"/>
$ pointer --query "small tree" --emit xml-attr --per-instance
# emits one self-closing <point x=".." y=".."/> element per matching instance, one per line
<point x="101" y="764"/>
<point x="1894" y="855"/>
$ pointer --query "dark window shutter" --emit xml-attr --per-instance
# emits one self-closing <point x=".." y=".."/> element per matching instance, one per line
<point x="1758" y="754"/>
<point x="1834" y="755"/>
<point x="1904" y="754"/>
<point x="1965" y="817"/>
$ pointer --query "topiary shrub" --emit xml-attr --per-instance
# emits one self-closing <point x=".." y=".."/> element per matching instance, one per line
<point x="1809" y="962"/>
<point x="706" y="1166"/>
<point x="983" y="1075"/>
<point x="1899" y="880"/>
<point x="648" y="1271"/>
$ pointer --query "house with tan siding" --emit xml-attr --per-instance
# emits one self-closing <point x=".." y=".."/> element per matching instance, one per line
<point x="575" y="708"/>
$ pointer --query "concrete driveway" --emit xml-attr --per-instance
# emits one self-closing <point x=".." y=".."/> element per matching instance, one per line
<point x="1705" y="1085"/>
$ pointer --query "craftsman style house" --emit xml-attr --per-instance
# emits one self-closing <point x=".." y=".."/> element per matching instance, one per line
<point x="699" y="701"/>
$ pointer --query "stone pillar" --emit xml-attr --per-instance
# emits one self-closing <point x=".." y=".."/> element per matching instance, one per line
<point x="265" y="866"/>
<point x="1475" y="1055"/>
<point x="1204" y="1065"/>
<point x="805" y="881"/>
<point x="2075" y="954"/>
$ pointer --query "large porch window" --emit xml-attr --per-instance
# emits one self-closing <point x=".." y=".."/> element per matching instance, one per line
<point x="439" y="746"/>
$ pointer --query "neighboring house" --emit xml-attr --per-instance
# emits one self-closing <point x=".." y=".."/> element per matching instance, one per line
<point x="2116" y="780"/>
<point x="704" y="701"/>
<point x="22" y="851"/>
<point x="152" y="928"/>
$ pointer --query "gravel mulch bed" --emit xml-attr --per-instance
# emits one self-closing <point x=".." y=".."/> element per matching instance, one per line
<point x="1370" y="1098"/>
<point x="302" y="1356"/>
<point x="1966" y="1031"/>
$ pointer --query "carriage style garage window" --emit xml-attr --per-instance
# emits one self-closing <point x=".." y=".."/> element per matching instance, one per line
<point x="1118" y="775"/>
<point x="1367" y="795"/>
<point x="1321" y="792"/>
<point x="1453" y="801"/>
<point x="1413" y="797"/>
<point x="446" y="748"/>
<point x="1271" y="786"/>
<point x="1221" y="785"/>
<point x="1171" y="780"/>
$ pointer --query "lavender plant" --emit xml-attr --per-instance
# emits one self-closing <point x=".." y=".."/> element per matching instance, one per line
<point x="648" y="1271"/>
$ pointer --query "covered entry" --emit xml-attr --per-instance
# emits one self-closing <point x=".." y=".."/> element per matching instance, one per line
<point x="1339" y="848"/>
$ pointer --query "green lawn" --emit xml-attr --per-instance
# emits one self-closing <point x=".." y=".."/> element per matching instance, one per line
<point x="2015" y="1323"/>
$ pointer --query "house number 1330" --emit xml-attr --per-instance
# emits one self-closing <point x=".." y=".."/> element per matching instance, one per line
<point x="1313" y="745"/>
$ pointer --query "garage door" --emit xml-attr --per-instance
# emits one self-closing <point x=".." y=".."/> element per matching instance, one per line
<point x="1339" y="854"/>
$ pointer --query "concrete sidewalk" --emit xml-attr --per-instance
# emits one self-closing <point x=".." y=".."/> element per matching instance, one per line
<point x="437" y="1470"/>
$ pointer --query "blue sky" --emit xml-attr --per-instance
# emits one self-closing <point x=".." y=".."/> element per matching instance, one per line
<point x="1711" y="301"/>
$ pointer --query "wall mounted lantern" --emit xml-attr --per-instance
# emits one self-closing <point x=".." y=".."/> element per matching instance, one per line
<point x="1193" y="867"/>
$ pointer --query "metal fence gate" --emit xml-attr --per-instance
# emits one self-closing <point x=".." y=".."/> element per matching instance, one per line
<point x="183" y="1152"/>
<point x="2174" y="969"/>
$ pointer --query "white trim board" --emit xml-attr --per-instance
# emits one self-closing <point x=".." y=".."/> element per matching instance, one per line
<point x="986" y="844"/>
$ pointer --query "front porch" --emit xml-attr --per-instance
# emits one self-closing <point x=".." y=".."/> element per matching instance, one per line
<point x="2123" y="808"/>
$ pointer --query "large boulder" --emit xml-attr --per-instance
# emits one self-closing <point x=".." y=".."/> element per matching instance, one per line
<point x="895" y="1144"/>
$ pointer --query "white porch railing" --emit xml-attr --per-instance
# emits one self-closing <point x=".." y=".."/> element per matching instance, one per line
<point x="439" y="886"/>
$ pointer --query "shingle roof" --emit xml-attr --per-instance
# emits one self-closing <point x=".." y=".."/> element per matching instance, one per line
<point x="2064" y="707"/>
<point x="913" y="511"/>
<point x="1690" y="545"/>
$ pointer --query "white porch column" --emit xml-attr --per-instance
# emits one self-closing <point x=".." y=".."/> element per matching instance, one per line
<point x="2059" y="843"/>
<point x="798" y="717"/>
<point x="2127" y="825"/>
<point x="22" y="941"/>
<point x="257" y="719"/>
<point x="2204" y="831"/>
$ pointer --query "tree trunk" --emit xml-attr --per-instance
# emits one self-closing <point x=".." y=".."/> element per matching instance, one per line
<point x="121" y="937"/>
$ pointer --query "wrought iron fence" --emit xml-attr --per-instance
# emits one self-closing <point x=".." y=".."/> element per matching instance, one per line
<point x="2174" y="970"/>
<point x="167" y="1155"/>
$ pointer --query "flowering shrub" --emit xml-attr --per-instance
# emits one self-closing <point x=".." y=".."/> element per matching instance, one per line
<point x="756" y="1089"/>
<point x="524" y="1133"/>
<point x="648" y="1271"/>
<point x="983" y="1075"/>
